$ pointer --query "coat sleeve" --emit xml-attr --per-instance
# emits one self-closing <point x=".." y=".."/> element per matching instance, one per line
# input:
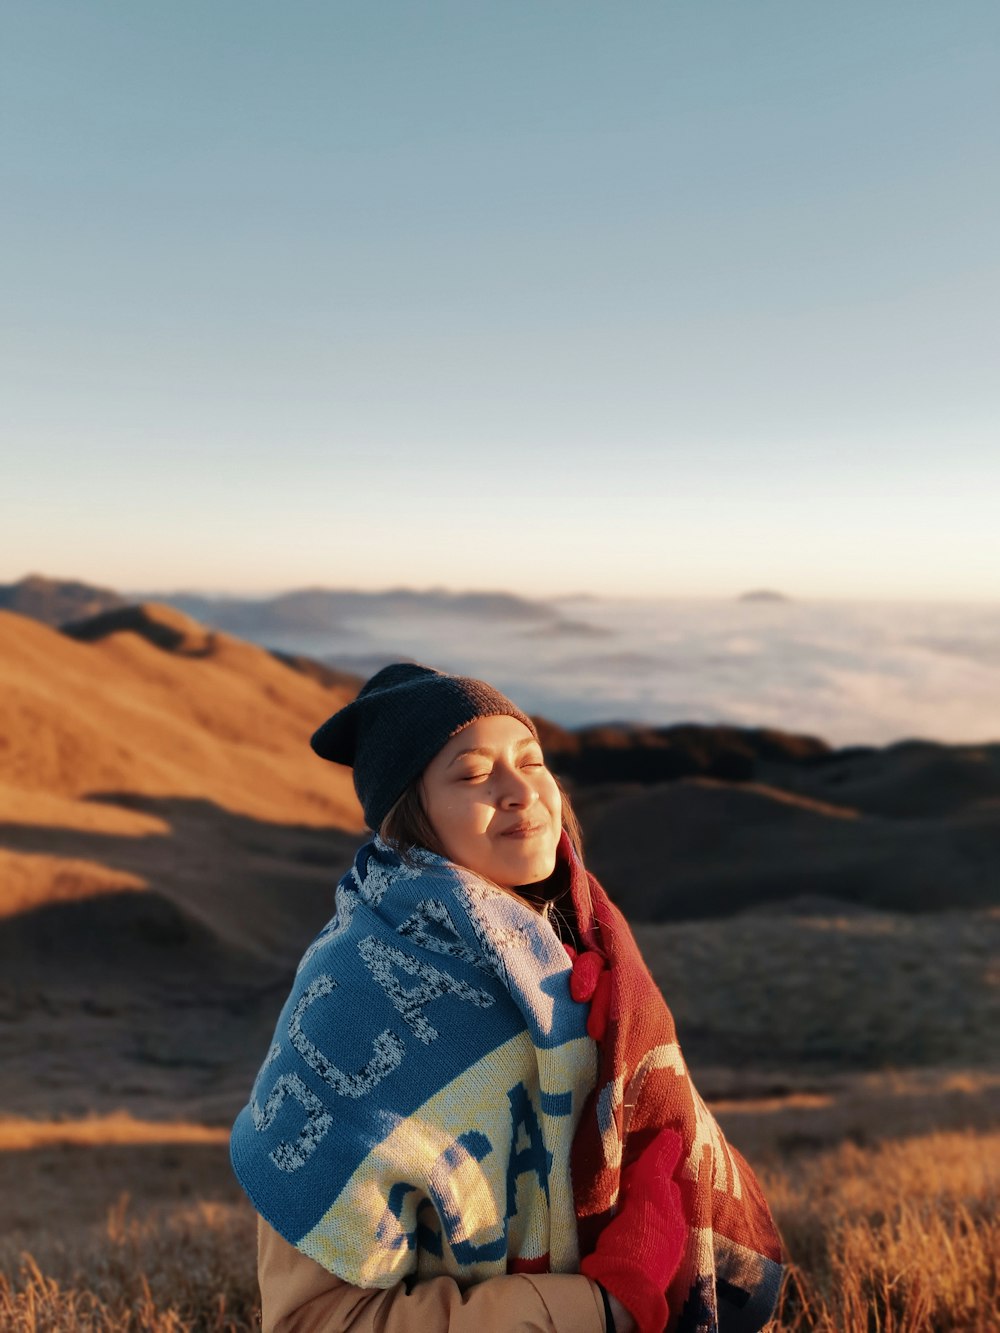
<point x="298" y="1295"/>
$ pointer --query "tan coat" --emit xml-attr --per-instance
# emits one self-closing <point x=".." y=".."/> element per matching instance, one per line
<point x="298" y="1295"/>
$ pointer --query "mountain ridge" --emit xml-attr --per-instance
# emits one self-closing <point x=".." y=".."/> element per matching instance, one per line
<point x="303" y="610"/>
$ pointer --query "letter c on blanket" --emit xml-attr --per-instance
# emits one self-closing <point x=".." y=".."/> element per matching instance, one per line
<point x="290" y="1156"/>
<point x="387" y="1051"/>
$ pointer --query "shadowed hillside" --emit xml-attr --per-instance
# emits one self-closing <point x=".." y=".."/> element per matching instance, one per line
<point x="619" y="752"/>
<point x="162" y="626"/>
<point x="701" y="848"/>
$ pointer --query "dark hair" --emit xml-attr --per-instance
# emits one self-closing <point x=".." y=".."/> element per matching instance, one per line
<point x="406" y="825"/>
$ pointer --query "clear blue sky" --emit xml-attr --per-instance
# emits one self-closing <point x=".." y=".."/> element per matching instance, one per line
<point x="673" y="297"/>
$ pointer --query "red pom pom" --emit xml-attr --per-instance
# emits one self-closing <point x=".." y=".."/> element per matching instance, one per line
<point x="586" y="970"/>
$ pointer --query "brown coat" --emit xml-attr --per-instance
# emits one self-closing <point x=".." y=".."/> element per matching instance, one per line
<point x="298" y="1295"/>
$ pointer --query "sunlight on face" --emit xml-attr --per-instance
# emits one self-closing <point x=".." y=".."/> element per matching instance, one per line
<point x="493" y="804"/>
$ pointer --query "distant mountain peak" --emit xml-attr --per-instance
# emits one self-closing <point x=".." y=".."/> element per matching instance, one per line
<point x="763" y="595"/>
<point x="55" y="601"/>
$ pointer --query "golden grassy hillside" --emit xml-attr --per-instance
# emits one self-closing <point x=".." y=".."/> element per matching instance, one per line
<point x="162" y="761"/>
<point x="199" y="716"/>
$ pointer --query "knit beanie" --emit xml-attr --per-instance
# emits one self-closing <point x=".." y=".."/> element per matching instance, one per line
<point x="397" y="724"/>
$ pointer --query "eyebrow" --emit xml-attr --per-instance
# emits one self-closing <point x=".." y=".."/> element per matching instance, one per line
<point x="485" y="750"/>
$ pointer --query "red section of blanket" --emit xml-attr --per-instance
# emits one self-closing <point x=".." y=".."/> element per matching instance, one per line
<point x="643" y="1087"/>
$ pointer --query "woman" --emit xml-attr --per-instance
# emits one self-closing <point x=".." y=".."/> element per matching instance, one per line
<point x="474" y="1112"/>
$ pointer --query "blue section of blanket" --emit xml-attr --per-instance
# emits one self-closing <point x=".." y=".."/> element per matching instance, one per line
<point x="423" y="970"/>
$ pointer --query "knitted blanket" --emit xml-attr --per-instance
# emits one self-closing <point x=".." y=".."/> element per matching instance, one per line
<point x="731" y="1268"/>
<point x="416" y="1110"/>
<point x="431" y="1091"/>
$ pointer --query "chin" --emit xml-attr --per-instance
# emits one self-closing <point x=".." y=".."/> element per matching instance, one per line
<point x="533" y="872"/>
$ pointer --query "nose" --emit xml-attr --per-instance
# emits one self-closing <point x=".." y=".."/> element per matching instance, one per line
<point x="517" y="790"/>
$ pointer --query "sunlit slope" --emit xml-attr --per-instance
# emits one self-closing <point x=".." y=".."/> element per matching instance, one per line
<point x="157" y="791"/>
<point x="160" y="707"/>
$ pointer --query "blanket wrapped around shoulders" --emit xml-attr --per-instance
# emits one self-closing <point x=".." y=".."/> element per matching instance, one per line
<point x="731" y="1268"/>
<point x="431" y="1101"/>
<point x="416" y="1110"/>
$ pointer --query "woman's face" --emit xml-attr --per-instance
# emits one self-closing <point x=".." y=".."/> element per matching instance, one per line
<point x="493" y="804"/>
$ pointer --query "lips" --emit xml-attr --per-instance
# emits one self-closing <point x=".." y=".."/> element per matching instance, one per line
<point x="523" y="831"/>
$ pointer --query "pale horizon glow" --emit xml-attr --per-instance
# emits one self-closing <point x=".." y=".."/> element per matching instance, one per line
<point x="663" y="301"/>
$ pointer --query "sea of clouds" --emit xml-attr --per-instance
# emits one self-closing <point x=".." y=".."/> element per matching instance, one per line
<point x="851" y="673"/>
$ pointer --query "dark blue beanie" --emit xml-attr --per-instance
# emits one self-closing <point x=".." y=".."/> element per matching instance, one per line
<point x="397" y="724"/>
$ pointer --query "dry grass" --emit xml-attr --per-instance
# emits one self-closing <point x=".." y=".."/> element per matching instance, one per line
<point x="125" y="1236"/>
<point x="183" y="1269"/>
<point x="899" y="1236"/>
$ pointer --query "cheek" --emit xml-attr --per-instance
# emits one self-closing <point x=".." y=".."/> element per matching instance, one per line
<point x="458" y="813"/>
